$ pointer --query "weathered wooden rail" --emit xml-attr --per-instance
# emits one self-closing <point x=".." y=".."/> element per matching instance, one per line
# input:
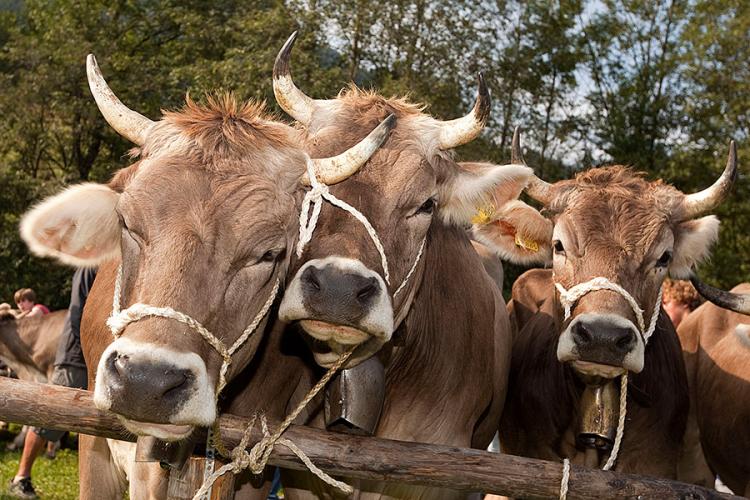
<point x="361" y="457"/>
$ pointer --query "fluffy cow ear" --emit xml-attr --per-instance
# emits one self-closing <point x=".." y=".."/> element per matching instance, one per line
<point x="477" y="185"/>
<point x="515" y="231"/>
<point x="693" y="240"/>
<point x="78" y="226"/>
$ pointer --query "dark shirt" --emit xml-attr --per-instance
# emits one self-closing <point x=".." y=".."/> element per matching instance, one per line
<point x="69" y="351"/>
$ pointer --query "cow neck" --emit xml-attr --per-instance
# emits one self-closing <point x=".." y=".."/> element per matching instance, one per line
<point x="307" y="222"/>
<point x="568" y="298"/>
<point x="119" y="319"/>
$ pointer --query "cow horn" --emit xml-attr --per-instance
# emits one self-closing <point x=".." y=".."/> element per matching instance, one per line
<point x="699" y="203"/>
<point x="736" y="302"/>
<point x="126" y="122"/>
<point x="291" y="99"/>
<point x="453" y="133"/>
<point x="336" y="169"/>
<point x="538" y="189"/>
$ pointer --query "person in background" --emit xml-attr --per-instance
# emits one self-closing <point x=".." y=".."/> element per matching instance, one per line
<point x="678" y="299"/>
<point x="70" y="371"/>
<point x="26" y="301"/>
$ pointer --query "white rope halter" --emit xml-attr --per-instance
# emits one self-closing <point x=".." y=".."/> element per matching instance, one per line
<point x="119" y="319"/>
<point x="308" y="221"/>
<point x="568" y="298"/>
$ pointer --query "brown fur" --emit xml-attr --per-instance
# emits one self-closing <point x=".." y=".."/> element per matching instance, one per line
<point x="29" y="345"/>
<point x="213" y="190"/>
<point x="717" y="362"/>
<point x="614" y="223"/>
<point x="433" y="394"/>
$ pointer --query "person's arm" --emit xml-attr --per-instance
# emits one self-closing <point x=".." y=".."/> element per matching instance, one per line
<point x="35" y="311"/>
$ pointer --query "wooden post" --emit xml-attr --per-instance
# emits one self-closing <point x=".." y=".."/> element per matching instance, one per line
<point x="359" y="457"/>
<point x="183" y="484"/>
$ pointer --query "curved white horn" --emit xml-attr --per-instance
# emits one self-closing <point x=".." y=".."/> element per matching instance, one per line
<point x="126" y="122"/>
<point x="291" y="99"/>
<point x="453" y="133"/>
<point x="538" y="189"/>
<point x="336" y="169"/>
<point x="704" y="201"/>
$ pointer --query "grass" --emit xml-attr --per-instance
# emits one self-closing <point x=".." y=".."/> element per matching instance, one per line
<point x="53" y="479"/>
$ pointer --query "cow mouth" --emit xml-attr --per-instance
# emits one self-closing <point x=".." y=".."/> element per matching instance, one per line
<point x="165" y="432"/>
<point x="591" y="369"/>
<point x="328" y="341"/>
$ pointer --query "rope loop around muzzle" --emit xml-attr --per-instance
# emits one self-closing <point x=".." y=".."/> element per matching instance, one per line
<point x="569" y="297"/>
<point x="119" y="319"/>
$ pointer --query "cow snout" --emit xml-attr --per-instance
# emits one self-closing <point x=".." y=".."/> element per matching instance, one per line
<point x="158" y="388"/>
<point x="343" y="297"/>
<point x="602" y="339"/>
<point x="339" y="303"/>
<point x="146" y="383"/>
<point x="595" y="336"/>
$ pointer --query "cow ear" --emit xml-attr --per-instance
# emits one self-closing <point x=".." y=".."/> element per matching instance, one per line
<point x="692" y="242"/>
<point x="515" y="232"/>
<point x="79" y="226"/>
<point x="476" y="185"/>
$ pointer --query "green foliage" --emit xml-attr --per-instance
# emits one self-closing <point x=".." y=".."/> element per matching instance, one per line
<point x="53" y="479"/>
<point x="658" y="85"/>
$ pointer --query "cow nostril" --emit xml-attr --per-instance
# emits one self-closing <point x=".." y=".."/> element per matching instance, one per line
<point x="121" y="363"/>
<point x="311" y="276"/>
<point x="582" y="334"/>
<point x="624" y="341"/>
<point x="368" y="291"/>
<point x="175" y="381"/>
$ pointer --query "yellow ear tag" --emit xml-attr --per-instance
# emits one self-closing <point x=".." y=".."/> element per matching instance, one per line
<point x="530" y="245"/>
<point x="483" y="215"/>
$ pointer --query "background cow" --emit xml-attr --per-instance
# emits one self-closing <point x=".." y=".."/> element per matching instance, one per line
<point x="611" y="223"/>
<point x="716" y="345"/>
<point x="28" y="345"/>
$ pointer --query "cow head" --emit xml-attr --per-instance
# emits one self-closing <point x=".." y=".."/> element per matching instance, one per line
<point x="354" y="283"/>
<point x="612" y="223"/>
<point x="201" y="224"/>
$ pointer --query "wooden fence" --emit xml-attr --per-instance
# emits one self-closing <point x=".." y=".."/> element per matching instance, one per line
<point x="358" y="457"/>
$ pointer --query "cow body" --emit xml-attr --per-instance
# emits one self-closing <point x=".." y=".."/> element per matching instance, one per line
<point x="29" y="345"/>
<point x="542" y="410"/>
<point x="446" y="373"/>
<point x="192" y="244"/>
<point x="386" y="269"/>
<point x="596" y="316"/>
<point x="716" y="347"/>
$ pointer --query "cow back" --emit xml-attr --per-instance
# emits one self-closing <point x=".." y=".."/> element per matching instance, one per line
<point x="718" y="361"/>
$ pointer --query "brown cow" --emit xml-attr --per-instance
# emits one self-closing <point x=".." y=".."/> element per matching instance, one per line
<point x="202" y="224"/>
<point x="612" y="224"/>
<point x="29" y="345"/>
<point x="422" y="303"/>
<point x="716" y="345"/>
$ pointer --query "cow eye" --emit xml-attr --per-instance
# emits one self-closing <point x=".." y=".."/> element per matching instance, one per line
<point x="558" y="246"/>
<point x="270" y="256"/>
<point x="427" y="207"/>
<point x="665" y="259"/>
